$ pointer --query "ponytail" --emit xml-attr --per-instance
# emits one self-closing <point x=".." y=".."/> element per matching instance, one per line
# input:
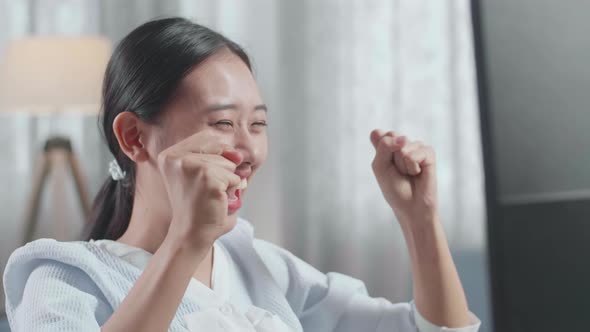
<point x="111" y="210"/>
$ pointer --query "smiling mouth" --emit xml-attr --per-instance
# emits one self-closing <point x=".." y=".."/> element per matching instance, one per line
<point x="243" y="184"/>
<point x="235" y="196"/>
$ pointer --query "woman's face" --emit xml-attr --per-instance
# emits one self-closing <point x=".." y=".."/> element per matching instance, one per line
<point x="220" y="96"/>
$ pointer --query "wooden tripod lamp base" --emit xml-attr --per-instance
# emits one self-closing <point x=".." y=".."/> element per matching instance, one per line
<point x="62" y="145"/>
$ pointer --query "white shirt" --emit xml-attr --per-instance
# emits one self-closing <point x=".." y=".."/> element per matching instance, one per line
<point x="76" y="286"/>
<point x="220" y="314"/>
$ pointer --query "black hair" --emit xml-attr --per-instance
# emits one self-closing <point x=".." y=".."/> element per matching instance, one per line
<point x="142" y="75"/>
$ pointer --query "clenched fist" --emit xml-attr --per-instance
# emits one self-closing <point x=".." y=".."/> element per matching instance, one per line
<point x="406" y="173"/>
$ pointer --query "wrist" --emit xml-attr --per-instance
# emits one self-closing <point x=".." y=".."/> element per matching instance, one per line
<point x="425" y="239"/>
<point x="420" y="230"/>
<point x="421" y="219"/>
<point x="182" y="241"/>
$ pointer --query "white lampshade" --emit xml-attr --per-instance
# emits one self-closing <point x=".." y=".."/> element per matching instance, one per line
<point x="53" y="74"/>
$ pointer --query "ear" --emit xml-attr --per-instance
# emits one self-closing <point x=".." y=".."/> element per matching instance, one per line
<point x="128" y="130"/>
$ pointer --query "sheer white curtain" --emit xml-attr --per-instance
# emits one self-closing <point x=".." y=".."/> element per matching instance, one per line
<point x="348" y="68"/>
<point x="330" y="71"/>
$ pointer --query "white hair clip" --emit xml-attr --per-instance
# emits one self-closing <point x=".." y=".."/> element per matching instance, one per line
<point x="116" y="172"/>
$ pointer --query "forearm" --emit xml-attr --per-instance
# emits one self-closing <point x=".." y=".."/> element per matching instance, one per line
<point x="153" y="300"/>
<point x="438" y="293"/>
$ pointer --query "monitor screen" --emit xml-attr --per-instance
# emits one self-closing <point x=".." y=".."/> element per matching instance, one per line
<point x="537" y="59"/>
<point x="533" y="66"/>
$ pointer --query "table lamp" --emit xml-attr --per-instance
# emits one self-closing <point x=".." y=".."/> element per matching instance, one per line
<point x="53" y="75"/>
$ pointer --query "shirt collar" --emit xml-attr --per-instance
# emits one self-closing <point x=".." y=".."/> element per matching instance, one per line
<point x="139" y="258"/>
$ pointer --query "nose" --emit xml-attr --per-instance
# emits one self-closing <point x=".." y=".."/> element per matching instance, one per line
<point x="245" y="143"/>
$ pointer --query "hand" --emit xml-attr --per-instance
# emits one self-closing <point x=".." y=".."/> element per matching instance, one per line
<point x="406" y="173"/>
<point x="198" y="173"/>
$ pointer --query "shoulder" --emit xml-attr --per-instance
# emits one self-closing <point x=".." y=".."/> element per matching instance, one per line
<point x="293" y="275"/>
<point x="306" y="288"/>
<point x="75" y="253"/>
<point x="47" y="282"/>
<point x="283" y="265"/>
<point x="279" y="257"/>
<point x="47" y="264"/>
<point x="279" y="261"/>
<point x="26" y="258"/>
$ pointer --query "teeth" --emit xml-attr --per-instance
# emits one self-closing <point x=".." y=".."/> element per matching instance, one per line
<point x="243" y="184"/>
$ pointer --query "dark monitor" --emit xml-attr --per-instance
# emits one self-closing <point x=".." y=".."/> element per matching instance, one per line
<point x="533" y="68"/>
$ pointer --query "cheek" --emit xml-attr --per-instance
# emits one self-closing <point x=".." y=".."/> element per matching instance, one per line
<point x="153" y="141"/>
<point x="172" y="134"/>
<point x="161" y="141"/>
<point x="177" y="124"/>
<point x="262" y="147"/>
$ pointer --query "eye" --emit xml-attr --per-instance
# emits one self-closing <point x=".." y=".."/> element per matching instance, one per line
<point x="259" y="126"/>
<point x="224" y="124"/>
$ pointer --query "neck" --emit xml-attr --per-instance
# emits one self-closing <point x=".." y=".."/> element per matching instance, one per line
<point x="147" y="230"/>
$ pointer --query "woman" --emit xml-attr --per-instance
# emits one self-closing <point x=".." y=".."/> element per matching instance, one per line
<point x="184" y="119"/>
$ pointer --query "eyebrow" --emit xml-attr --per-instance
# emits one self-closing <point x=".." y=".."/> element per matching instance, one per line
<point x="223" y="107"/>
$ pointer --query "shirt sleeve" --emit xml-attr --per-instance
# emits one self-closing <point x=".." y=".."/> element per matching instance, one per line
<point x="55" y="297"/>
<point x="426" y="326"/>
<point x="339" y="303"/>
